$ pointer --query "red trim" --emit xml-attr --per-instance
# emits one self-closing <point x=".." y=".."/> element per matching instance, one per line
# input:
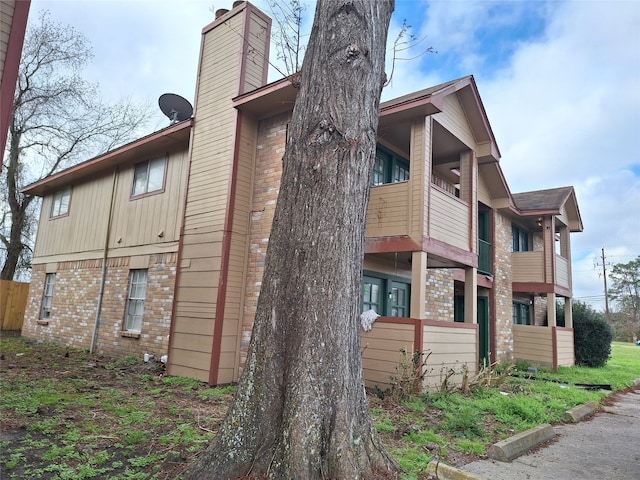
<point x="531" y="287"/>
<point x="216" y="348"/>
<point x="12" y="66"/>
<point x="423" y="322"/>
<point x="437" y="323"/>
<point x="390" y="244"/>
<point x="449" y="252"/>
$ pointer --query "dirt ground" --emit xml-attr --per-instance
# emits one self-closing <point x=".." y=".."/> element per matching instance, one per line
<point x="69" y="414"/>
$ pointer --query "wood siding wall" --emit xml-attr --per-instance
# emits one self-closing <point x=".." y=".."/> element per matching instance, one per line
<point x="527" y="267"/>
<point x="389" y="210"/>
<point x="218" y="200"/>
<point x="454" y="119"/>
<point x="565" y="347"/>
<point x="452" y="346"/>
<point x="562" y="272"/>
<point x="152" y="221"/>
<point x="381" y="351"/>
<point x="533" y="344"/>
<point x="449" y="219"/>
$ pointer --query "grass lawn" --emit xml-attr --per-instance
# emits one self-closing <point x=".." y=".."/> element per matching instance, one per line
<point x="66" y="414"/>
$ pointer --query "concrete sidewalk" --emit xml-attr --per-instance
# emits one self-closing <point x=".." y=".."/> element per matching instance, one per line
<point x="605" y="447"/>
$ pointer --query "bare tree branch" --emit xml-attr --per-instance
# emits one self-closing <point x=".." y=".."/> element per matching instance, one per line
<point x="58" y="119"/>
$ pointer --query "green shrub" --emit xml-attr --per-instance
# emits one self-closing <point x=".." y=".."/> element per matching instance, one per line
<point x="592" y="337"/>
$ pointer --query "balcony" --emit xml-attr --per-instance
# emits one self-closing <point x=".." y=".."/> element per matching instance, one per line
<point x="389" y="212"/>
<point x="527" y="267"/>
<point x="532" y="268"/>
<point x="449" y="219"/>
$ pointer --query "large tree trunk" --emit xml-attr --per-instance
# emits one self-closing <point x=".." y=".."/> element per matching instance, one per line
<point x="300" y="411"/>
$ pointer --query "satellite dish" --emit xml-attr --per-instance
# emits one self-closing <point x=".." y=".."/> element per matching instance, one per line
<point x="175" y="107"/>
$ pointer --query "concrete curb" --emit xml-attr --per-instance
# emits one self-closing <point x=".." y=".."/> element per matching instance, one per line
<point x="513" y="447"/>
<point x="442" y="471"/>
<point x="578" y="413"/>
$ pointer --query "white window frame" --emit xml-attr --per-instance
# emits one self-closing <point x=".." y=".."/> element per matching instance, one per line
<point x="136" y="295"/>
<point x="60" y="203"/>
<point x="148" y="177"/>
<point x="47" y="296"/>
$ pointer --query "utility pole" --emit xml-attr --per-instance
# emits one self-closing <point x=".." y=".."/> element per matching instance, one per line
<point x="606" y="297"/>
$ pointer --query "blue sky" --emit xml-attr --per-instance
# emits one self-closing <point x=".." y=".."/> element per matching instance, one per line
<point x="560" y="81"/>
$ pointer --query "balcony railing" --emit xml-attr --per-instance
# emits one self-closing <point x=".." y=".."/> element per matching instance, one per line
<point x="528" y="267"/>
<point x="389" y="210"/>
<point x="484" y="256"/>
<point x="449" y="218"/>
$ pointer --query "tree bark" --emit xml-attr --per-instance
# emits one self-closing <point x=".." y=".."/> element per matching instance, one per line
<point x="18" y="206"/>
<point x="300" y="410"/>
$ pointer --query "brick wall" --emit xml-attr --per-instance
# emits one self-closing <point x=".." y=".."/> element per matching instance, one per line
<point x="502" y="292"/>
<point x="75" y="301"/>
<point x="271" y="141"/>
<point x="439" y="295"/>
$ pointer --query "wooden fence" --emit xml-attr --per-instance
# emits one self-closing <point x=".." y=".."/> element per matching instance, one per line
<point x="13" y="301"/>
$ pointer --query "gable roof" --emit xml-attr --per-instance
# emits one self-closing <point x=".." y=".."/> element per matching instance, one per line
<point x="170" y="138"/>
<point x="551" y="201"/>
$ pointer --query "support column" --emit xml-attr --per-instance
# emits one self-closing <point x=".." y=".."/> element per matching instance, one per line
<point x="471" y="295"/>
<point x="418" y="279"/>
<point x="568" y="313"/>
<point x="551" y="309"/>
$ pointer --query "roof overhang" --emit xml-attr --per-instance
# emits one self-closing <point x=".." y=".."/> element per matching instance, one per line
<point x="171" y="138"/>
<point x="271" y="99"/>
<point x="280" y="96"/>
<point x="16" y="15"/>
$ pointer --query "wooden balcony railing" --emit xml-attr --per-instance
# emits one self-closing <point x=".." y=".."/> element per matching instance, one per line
<point x="527" y="267"/>
<point x="389" y="212"/>
<point x="449" y="218"/>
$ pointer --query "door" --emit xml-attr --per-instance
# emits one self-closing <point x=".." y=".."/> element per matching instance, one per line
<point x="483" y="331"/>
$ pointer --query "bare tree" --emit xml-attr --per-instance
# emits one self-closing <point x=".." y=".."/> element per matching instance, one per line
<point x="287" y="36"/>
<point x="300" y="410"/>
<point x="58" y="118"/>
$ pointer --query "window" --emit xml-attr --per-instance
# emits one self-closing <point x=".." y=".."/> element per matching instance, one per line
<point x="148" y="177"/>
<point x="47" y="296"/>
<point x="399" y="299"/>
<point x="385" y="296"/>
<point x="389" y="167"/>
<point x="135" y="300"/>
<point x="371" y="294"/>
<point x="521" y="313"/>
<point x="519" y="239"/>
<point x="60" y="203"/>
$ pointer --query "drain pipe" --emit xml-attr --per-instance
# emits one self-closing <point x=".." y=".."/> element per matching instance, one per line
<point x="103" y="275"/>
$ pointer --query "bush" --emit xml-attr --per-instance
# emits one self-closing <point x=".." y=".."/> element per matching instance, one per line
<point x="592" y="338"/>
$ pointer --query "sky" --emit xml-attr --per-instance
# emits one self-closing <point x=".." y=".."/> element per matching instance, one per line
<point x="559" y="80"/>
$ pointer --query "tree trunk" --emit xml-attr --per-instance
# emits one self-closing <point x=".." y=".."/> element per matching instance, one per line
<point x="300" y="411"/>
<point x="18" y="206"/>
